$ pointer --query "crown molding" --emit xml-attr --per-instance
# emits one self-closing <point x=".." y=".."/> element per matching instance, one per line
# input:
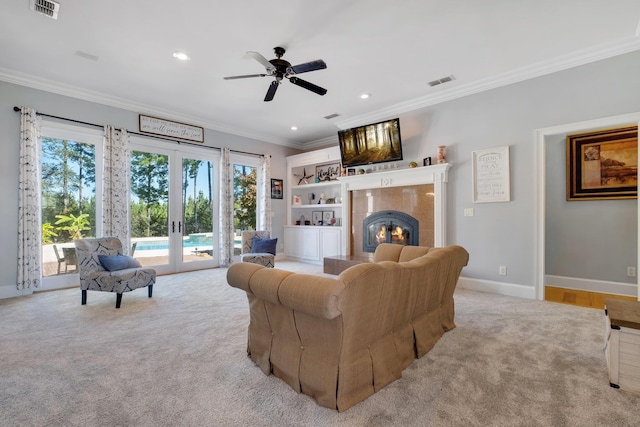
<point x="322" y="143"/>
<point x="581" y="57"/>
<point x="23" y="79"/>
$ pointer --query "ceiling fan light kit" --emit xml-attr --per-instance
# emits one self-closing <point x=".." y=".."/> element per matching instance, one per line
<point x="282" y="69"/>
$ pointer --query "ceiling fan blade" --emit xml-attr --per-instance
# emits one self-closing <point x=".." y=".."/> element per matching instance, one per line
<point x="261" y="59"/>
<point x="318" y="64"/>
<point x="309" y="86"/>
<point x="271" y="91"/>
<point x="246" y="76"/>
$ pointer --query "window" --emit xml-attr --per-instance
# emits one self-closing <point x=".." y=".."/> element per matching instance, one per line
<point x="71" y="174"/>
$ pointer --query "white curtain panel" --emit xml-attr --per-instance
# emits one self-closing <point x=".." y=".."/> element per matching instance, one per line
<point x="226" y="209"/>
<point x="264" y="205"/>
<point x="115" y="195"/>
<point x="29" y="203"/>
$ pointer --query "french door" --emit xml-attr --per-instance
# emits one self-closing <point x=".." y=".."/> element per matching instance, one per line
<point x="174" y="207"/>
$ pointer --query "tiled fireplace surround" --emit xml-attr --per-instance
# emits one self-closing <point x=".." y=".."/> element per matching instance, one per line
<point x="419" y="192"/>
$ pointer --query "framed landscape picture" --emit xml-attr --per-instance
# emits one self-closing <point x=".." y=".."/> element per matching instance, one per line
<point x="603" y="164"/>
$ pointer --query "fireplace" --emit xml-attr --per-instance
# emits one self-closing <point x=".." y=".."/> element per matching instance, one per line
<point x="389" y="226"/>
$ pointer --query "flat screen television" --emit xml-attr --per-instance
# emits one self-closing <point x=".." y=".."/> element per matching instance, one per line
<point x="373" y="143"/>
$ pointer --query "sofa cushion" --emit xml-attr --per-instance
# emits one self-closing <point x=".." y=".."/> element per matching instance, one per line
<point x="264" y="246"/>
<point x="118" y="262"/>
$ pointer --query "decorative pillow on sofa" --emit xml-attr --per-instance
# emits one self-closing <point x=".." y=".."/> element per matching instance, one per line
<point x="118" y="262"/>
<point x="264" y="246"/>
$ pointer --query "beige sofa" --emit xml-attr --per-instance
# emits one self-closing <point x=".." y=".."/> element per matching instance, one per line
<point x="339" y="340"/>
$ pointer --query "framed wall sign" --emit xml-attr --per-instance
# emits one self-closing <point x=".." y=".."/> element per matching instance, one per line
<point x="328" y="172"/>
<point x="169" y="128"/>
<point x="603" y="164"/>
<point x="490" y="170"/>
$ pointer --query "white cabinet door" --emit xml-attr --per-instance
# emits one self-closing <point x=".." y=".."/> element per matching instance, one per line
<point x="291" y="242"/>
<point x="331" y="238"/>
<point x="310" y="244"/>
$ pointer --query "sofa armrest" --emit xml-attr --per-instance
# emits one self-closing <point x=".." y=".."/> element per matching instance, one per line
<point x="238" y="275"/>
<point x="312" y="294"/>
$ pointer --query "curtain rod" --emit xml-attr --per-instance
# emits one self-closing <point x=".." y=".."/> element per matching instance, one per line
<point x="18" y="109"/>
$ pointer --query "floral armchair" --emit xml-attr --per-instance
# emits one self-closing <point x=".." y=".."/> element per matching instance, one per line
<point x="123" y="274"/>
<point x="260" y="256"/>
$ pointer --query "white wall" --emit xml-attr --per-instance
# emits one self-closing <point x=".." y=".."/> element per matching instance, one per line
<point x="13" y="95"/>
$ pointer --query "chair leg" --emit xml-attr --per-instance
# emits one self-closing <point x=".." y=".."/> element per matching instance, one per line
<point x="150" y="290"/>
<point x="118" y="300"/>
<point x="84" y="296"/>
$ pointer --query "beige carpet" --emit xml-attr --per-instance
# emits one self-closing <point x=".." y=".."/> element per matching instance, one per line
<point x="179" y="359"/>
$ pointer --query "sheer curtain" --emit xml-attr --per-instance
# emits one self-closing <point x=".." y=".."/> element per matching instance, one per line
<point x="29" y="203"/>
<point x="264" y="205"/>
<point x="115" y="195"/>
<point x="226" y="209"/>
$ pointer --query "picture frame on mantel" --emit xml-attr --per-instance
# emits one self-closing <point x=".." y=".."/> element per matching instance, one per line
<point x="603" y="164"/>
<point x="491" y="175"/>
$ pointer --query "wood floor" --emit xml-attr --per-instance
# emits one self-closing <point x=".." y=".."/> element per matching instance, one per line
<point x="581" y="298"/>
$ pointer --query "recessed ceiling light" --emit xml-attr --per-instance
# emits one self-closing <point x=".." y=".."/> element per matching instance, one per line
<point x="365" y="95"/>
<point x="182" y="56"/>
<point x="294" y="127"/>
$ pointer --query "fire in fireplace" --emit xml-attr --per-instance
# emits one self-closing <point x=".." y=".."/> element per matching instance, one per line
<point x="389" y="227"/>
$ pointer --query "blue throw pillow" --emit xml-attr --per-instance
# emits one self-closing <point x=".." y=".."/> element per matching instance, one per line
<point x="264" y="246"/>
<point x="118" y="262"/>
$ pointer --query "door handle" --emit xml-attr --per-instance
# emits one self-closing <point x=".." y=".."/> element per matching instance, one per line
<point x="179" y="227"/>
<point x="173" y="226"/>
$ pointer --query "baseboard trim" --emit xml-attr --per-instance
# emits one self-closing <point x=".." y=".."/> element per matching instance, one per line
<point x="12" y="292"/>
<point x="509" y="289"/>
<point x="590" y="285"/>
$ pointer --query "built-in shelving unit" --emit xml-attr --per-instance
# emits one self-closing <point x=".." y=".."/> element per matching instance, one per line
<point x="313" y="229"/>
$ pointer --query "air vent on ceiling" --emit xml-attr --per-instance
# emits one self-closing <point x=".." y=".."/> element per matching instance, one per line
<point x="46" y="7"/>
<point x="331" y="116"/>
<point x="441" y="81"/>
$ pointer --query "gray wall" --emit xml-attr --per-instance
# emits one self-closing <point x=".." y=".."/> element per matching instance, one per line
<point x="14" y="95"/>
<point x="589" y="239"/>
<point x="499" y="233"/>
<point x="503" y="233"/>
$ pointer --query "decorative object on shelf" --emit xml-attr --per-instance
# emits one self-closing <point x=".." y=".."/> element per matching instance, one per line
<point x="338" y="222"/>
<point x="304" y="178"/>
<point x="177" y="130"/>
<point x="327" y="216"/>
<point x="360" y="171"/>
<point x="338" y="198"/>
<point x="351" y="171"/>
<point x="297" y="200"/>
<point x="276" y="188"/>
<point x="311" y="197"/>
<point x="426" y="161"/>
<point x="413" y="164"/>
<point x="323" y="199"/>
<point x="316" y="217"/>
<point x="442" y="154"/>
<point x="490" y="172"/>
<point x="302" y="220"/>
<point x="331" y="201"/>
<point x="328" y="172"/>
<point x="603" y="164"/>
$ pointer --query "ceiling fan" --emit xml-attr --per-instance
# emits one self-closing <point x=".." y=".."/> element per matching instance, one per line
<point x="281" y="69"/>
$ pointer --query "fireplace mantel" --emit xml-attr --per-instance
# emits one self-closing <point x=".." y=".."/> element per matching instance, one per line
<point x="436" y="175"/>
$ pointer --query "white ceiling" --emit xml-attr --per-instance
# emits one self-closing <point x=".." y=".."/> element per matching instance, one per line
<point x="391" y="49"/>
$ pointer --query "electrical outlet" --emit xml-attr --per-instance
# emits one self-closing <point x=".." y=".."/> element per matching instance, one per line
<point x="502" y="270"/>
<point x="468" y="211"/>
<point x="631" y="271"/>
